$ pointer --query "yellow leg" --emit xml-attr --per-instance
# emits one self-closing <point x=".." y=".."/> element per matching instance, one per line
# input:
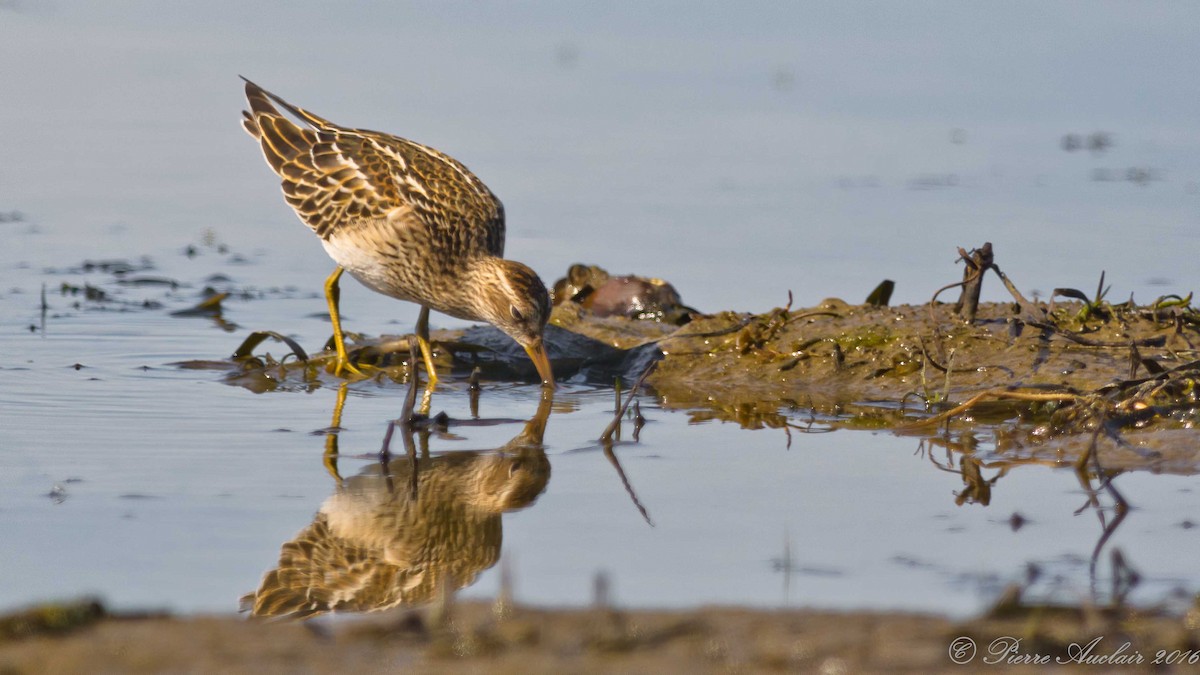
<point x="331" y="438"/>
<point x="426" y="348"/>
<point x="332" y="293"/>
<point x="427" y="357"/>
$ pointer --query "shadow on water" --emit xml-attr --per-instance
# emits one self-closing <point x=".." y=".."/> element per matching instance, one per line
<point x="405" y="530"/>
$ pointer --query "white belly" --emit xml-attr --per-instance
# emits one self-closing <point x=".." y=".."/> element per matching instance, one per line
<point x="367" y="268"/>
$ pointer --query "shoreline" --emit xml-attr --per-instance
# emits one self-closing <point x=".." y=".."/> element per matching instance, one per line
<point x="502" y="637"/>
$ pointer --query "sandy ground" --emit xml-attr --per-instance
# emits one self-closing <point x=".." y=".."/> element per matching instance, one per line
<point x="484" y="637"/>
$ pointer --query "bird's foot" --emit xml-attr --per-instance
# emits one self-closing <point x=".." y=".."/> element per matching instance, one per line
<point x="342" y="366"/>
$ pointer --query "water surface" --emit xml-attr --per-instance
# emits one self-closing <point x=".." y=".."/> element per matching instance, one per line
<point x="738" y="154"/>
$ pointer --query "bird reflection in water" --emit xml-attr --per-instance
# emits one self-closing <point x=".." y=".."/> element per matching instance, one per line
<point x="402" y="532"/>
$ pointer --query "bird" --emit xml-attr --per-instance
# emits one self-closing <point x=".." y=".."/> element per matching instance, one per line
<point x="404" y="219"/>
<point x="399" y="533"/>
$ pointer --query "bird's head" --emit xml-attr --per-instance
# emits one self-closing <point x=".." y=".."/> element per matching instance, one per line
<point x="518" y="304"/>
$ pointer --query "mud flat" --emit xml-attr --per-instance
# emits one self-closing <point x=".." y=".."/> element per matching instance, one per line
<point x="503" y="638"/>
<point x="1050" y="380"/>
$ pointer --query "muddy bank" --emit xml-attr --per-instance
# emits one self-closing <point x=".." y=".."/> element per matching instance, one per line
<point x="1050" y="379"/>
<point x="1045" y="389"/>
<point x="1044" y="392"/>
<point x="503" y="638"/>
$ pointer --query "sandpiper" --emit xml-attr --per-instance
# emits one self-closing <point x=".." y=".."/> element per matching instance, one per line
<point x="404" y="219"/>
<point x="399" y="534"/>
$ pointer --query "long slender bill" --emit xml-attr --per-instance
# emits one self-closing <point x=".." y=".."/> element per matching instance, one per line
<point x="541" y="361"/>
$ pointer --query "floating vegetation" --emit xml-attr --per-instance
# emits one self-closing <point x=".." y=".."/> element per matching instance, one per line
<point x="210" y="307"/>
<point x="1138" y="175"/>
<point x="52" y="618"/>
<point x="209" y="241"/>
<point x="116" y="266"/>
<point x="111" y="296"/>
<point x="128" y="284"/>
<point x="87" y="292"/>
<point x="1097" y="142"/>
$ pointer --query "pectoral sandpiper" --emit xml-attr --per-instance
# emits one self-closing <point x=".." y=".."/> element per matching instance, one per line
<point x="404" y="219"/>
<point x="400" y="533"/>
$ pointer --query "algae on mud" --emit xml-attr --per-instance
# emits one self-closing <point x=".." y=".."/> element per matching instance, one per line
<point x="1046" y="376"/>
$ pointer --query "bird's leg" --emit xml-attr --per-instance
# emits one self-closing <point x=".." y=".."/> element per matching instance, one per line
<point x="332" y="294"/>
<point x="427" y="356"/>
<point x="427" y="400"/>
<point x="331" y="436"/>
<point x="426" y="347"/>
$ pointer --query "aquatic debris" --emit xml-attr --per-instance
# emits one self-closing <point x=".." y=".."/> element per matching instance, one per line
<point x="615" y="424"/>
<point x="58" y="493"/>
<point x="628" y="296"/>
<point x="1097" y="142"/>
<point x="149" y="281"/>
<point x="112" y="294"/>
<point x="89" y="292"/>
<point x="882" y="295"/>
<point x="757" y="333"/>
<point x="117" y="266"/>
<point x="52" y="618"/>
<point x="209" y="307"/>
<point x="246" y="349"/>
<point x="571" y="353"/>
<point x="1138" y="175"/>
<point x="580" y="281"/>
<point x="977" y="262"/>
<point x="208" y="240"/>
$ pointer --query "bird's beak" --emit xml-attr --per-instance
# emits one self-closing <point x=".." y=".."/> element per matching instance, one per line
<point x="541" y="361"/>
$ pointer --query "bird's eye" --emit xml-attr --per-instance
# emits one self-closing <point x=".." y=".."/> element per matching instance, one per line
<point x="516" y="314"/>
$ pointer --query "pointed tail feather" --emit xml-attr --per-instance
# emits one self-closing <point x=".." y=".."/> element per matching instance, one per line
<point x="260" y="104"/>
<point x="250" y="125"/>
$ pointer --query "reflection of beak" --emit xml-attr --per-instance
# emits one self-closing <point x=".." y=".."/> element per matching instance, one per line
<point x="541" y="361"/>
<point x="535" y="428"/>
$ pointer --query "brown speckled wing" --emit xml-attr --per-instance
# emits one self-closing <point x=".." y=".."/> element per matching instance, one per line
<point x="319" y="572"/>
<point x="336" y="178"/>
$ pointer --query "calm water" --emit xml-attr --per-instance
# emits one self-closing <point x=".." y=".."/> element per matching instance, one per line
<point x="737" y="154"/>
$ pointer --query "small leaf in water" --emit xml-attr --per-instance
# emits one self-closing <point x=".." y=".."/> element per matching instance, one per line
<point x="209" y="307"/>
<point x="58" y="493"/>
<point x="149" y="281"/>
<point x="254" y="339"/>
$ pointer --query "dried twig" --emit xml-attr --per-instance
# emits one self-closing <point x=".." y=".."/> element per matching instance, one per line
<point x="616" y="421"/>
<point x="978" y="261"/>
<point x="1003" y="395"/>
